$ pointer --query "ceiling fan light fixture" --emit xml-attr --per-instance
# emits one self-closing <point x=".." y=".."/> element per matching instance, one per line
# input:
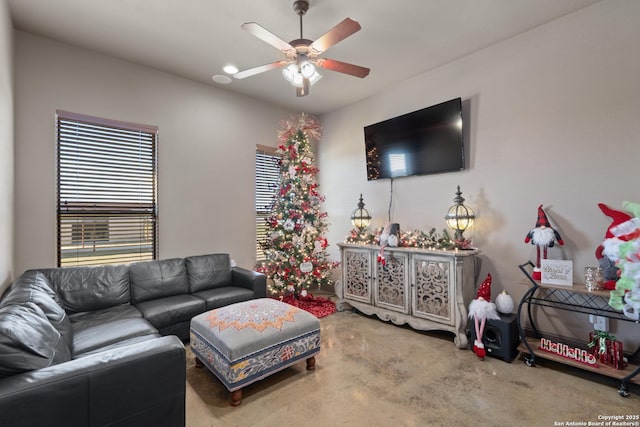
<point x="314" y="78"/>
<point x="307" y="69"/>
<point x="298" y="80"/>
<point x="289" y="72"/>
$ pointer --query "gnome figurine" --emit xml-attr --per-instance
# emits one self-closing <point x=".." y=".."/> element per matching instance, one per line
<point x="543" y="236"/>
<point x="608" y="266"/>
<point x="480" y="310"/>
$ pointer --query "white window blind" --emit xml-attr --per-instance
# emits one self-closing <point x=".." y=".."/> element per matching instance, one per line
<point x="267" y="182"/>
<point x="107" y="191"/>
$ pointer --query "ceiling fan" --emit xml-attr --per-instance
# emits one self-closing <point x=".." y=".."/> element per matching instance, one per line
<point x="303" y="55"/>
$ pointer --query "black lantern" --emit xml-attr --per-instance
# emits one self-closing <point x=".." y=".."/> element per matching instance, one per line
<point x="360" y="218"/>
<point x="460" y="217"/>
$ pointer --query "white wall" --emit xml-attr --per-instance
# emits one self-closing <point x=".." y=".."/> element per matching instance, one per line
<point x="207" y="139"/>
<point x="6" y="147"/>
<point x="554" y="120"/>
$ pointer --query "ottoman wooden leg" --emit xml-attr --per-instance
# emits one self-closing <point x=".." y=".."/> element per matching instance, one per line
<point x="311" y="363"/>
<point x="236" y="397"/>
<point x="199" y="363"/>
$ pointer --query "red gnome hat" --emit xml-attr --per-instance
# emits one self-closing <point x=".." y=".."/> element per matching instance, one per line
<point x="618" y="218"/>
<point x="484" y="291"/>
<point x="542" y="221"/>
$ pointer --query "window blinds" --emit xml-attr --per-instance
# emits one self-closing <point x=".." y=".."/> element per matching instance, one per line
<point x="106" y="191"/>
<point x="267" y="181"/>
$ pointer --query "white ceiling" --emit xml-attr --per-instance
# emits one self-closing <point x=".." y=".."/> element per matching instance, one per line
<point x="196" y="38"/>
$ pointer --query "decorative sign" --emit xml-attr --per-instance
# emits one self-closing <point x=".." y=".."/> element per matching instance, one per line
<point x="557" y="272"/>
<point x="572" y="353"/>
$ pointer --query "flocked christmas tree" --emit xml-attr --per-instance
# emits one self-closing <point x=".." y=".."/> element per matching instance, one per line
<point x="296" y="249"/>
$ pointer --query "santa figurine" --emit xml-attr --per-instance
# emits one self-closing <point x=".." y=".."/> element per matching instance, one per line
<point x="480" y="310"/>
<point x="543" y="236"/>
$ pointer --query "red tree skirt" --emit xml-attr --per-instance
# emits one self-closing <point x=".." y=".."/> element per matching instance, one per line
<point x="318" y="306"/>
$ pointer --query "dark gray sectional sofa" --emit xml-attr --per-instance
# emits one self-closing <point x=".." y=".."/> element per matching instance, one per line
<point x="97" y="346"/>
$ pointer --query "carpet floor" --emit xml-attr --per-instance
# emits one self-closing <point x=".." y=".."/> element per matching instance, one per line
<point x="372" y="373"/>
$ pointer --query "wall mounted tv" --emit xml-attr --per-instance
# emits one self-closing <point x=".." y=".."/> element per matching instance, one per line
<point x="426" y="141"/>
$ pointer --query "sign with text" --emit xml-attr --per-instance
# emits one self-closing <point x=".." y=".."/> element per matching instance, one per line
<point x="557" y="272"/>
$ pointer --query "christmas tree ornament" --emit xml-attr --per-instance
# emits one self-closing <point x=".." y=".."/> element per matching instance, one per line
<point x="288" y="225"/>
<point x="306" y="267"/>
<point x="543" y="236"/>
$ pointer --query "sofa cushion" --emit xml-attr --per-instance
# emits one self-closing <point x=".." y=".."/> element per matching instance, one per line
<point x="119" y="344"/>
<point x="109" y="333"/>
<point x="35" y="279"/>
<point x="219" y="297"/>
<point x="169" y="310"/>
<point x="92" y="318"/>
<point x="157" y="279"/>
<point x="208" y="271"/>
<point x="90" y="288"/>
<point x="28" y="341"/>
<point x="32" y="287"/>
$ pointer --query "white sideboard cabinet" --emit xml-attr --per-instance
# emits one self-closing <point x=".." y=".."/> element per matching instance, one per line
<point x="426" y="289"/>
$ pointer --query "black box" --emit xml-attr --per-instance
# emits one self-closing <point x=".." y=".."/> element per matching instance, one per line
<point x="500" y="337"/>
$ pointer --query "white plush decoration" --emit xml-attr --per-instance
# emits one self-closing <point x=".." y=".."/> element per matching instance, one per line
<point x="393" y="240"/>
<point x="504" y="303"/>
<point x="542" y="236"/>
<point x="233" y="263"/>
<point x="483" y="309"/>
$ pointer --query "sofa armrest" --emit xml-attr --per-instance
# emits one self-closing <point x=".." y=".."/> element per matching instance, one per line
<point x="252" y="280"/>
<point x="140" y="384"/>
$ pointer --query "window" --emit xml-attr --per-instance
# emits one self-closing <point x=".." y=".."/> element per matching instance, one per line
<point x="107" y="191"/>
<point x="267" y="182"/>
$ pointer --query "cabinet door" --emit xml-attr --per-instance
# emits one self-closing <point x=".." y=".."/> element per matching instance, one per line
<point x="433" y="279"/>
<point x="390" y="284"/>
<point x="356" y="274"/>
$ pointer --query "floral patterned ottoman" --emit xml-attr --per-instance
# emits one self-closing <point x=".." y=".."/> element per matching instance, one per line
<point x="247" y="341"/>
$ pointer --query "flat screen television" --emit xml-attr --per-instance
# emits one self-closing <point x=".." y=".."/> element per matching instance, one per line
<point x="426" y="141"/>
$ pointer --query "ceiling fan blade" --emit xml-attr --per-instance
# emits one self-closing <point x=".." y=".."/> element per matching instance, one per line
<point x="338" y="33"/>
<point x="343" y="67"/>
<point x="267" y="36"/>
<point x="257" y="70"/>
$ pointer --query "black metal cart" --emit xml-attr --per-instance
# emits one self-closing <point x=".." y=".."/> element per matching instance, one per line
<point x="577" y="299"/>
